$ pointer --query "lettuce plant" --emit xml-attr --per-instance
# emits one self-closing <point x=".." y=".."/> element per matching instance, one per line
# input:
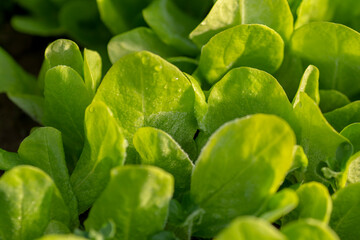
<point x="240" y="125"/>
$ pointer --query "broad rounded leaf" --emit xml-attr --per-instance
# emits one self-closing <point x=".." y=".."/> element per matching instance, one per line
<point x="333" y="49"/>
<point x="28" y="201"/>
<point x="344" y="116"/>
<point x="250" y="45"/>
<point x="241" y="165"/>
<point x="280" y="204"/>
<point x="346" y="212"/>
<point x="314" y="202"/>
<point x="44" y="149"/>
<point x="142" y="89"/>
<point x="250" y="228"/>
<point x="245" y="91"/>
<point x="275" y="14"/>
<point x="159" y="149"/>
<point x="136" y="200"/>
<point x="309" y="229"/>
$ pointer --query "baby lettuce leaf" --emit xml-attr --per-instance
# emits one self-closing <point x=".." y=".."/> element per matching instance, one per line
<point x="300" y="161"/>
<point x="324" y="147"/>
<point x="309" y="84"/>
<point x="136" y="200"/>
<point x="64" y="52"/>
<point x="159" y="149"/>
<point x="142" y="89"/>
<point x="245" y="91"/>
<point x="352" y="132"/>
<point x="229" y="167"/>
<point x="120" y="16"/>
<point x="333" y="49"/>
<point x="331" y="100"/>
<point x="66" y="98"/>
<point x="92" y="70"/>
<point x="136" y="40"/>
<point x="104" y="149"/>
<point x="279" y="205"/>
<point x="250" y="228"/>
<point x="346" y="213"/>
<point x="250" y="45"/>
<point x="9" y="160"/>
<point x="314" y="11"/>
<point x="344" y="116"/>
<point x="354" y="168"/>
<point x="44" y="149"/>
<point x="61" y="52"/>
<point x="314" y="202"/>
<point x="28" y="201"/>
<point x="225" y="14"/>
<point x="172" y="25"/>
<point x="309" y="229"/>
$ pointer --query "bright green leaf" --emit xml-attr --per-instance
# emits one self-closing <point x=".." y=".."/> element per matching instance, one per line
<point x="159" y="149"/>
<point x="229" y="167"/>
<point x="324" y="147"/>
<point x="66" y="99"/>
<point x="250" y="228"/>
<point x="275" y="14"/>
<point x="142" y="89"/>
<point x="44" y="149"/>
<point x="245" y="91"/>
<point x="246" y="45"/>
<point x="309" y="84"/>
<point x="346" y="212"/>
<point x="314" y="202"/>
<point x="136" y="200"/>
<point x="92" y="70"/>
<point x="104" y="149"/>
<point x="333" y="49"/>
<point x="28" y="201"/>
<point x="309" y="229"/>
<point x="280" y="204"/>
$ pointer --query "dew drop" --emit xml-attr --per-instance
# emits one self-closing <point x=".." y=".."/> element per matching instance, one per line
<point x="91" y="109"/>
<point x="203" y="23"/>
<point x="174" y="79"/>
<point x="166" y="86"/>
